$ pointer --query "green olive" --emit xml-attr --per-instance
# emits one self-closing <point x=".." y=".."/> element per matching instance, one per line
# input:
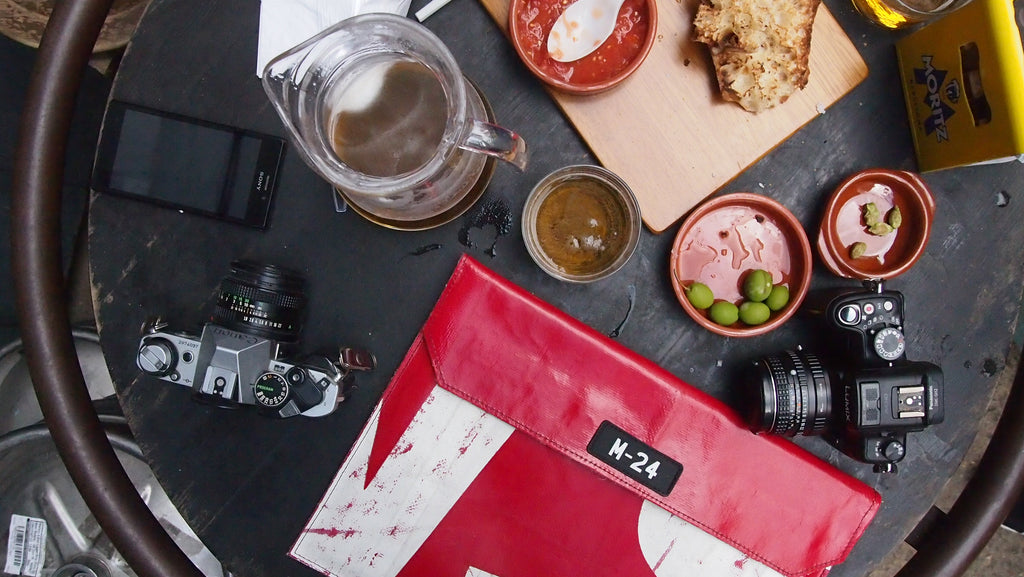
<point x="895" y="217"/>
<point x="778" y="298"/>
<point x="753" y="313"/>
<point x="699" y="295"/>
<point x="758" y="285"/>
<point x="880" y="229"/>
<point x="872" y="215"/>
<point x="724" y="313"/>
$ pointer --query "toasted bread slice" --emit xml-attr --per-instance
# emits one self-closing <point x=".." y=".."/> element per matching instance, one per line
<point x="760" y="48"/>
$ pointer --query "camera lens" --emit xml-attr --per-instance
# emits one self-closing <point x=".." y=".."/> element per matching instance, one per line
<point x="262" y="300"/>
<point x="793" y="394"/>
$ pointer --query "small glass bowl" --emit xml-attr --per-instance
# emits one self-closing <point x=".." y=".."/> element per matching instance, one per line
<point x="900" y="14"/>
<point x="581" y="223"/>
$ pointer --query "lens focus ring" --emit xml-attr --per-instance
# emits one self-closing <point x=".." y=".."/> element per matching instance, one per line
<point x="262" y="300"/>
<point x="794" y="393"/>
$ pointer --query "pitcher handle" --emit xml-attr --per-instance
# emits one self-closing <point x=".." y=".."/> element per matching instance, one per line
<point x="496" y="141"/>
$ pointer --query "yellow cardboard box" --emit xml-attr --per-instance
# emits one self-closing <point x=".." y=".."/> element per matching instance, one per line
<point x="963" y="81"/>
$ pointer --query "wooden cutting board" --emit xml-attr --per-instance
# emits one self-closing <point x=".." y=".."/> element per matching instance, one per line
<point x="666" y="130"/>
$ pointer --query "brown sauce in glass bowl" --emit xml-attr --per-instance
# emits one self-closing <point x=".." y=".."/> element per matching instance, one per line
<point x="583" y="226"/>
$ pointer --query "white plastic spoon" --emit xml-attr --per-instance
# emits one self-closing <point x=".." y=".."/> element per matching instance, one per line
<point x="582" y="28"/>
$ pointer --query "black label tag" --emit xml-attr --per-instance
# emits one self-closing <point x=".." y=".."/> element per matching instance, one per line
<point x="634" y="458"/>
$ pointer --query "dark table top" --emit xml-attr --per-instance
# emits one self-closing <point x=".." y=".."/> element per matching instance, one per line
<point x="248" y="484"/>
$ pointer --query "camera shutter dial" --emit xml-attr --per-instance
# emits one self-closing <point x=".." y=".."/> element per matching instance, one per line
<point x="271" y="390"/>
<point x="157" y="357"/>
<point x="890" y="343"/>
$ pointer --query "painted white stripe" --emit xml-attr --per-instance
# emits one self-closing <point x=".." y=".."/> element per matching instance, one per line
<point x="674" y="547"/>
<point x="374" y="532"/>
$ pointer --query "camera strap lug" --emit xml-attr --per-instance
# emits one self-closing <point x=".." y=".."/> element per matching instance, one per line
<point x="153" y="325"/>
<point x="355" y="359"/>
<point x="874" y="285"/>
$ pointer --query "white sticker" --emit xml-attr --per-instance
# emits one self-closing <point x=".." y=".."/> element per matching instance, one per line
<point x="26" y="546"/>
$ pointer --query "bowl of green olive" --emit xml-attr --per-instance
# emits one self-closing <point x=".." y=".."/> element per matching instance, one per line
<point x="741" y="264"/>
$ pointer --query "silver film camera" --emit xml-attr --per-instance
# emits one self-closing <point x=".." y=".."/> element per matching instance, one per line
<point x="242" y="357"/>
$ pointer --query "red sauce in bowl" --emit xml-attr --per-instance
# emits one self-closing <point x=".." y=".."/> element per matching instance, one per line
<point x="531" y="21"/>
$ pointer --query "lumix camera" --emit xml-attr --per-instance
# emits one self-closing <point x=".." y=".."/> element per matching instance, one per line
<point x="865" y="397"/>
<point x="241" y="357"/>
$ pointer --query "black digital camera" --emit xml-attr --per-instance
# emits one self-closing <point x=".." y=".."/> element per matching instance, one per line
<point x="865" y="396"/>
<point x="240" y="358"/>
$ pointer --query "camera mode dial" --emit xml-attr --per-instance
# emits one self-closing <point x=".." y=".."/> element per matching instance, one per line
<point x="890" y="343"/>
<point x="271" y="390"/>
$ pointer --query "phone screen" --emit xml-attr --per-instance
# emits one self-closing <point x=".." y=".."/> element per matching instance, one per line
<point x="188" y="164"/>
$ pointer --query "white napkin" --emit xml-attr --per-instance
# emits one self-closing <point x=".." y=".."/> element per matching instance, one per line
<point x="287" y="23"/>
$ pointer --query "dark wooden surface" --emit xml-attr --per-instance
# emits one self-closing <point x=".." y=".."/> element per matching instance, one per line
<point x="248" y="484"/>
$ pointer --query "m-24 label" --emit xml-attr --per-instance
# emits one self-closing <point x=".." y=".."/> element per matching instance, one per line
<point x="634" y="458"/>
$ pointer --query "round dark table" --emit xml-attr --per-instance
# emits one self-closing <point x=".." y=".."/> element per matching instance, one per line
<point x="247" y="484"/>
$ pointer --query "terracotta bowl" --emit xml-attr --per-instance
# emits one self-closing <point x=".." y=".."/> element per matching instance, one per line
<point x="529" y="36"/>
<point x="730" y="235"/>
<point x="885" y="256"/>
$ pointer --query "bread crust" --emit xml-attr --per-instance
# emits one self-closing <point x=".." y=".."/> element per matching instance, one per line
<point x="760" y="48"/>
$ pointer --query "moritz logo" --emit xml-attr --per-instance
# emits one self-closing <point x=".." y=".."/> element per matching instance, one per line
<point x="933" y="80"/>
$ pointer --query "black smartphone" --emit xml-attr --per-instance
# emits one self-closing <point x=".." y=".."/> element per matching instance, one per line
<point x="187" y="164"/>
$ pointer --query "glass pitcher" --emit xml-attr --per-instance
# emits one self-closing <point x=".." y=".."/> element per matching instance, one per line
<point x="378" y="106"/>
